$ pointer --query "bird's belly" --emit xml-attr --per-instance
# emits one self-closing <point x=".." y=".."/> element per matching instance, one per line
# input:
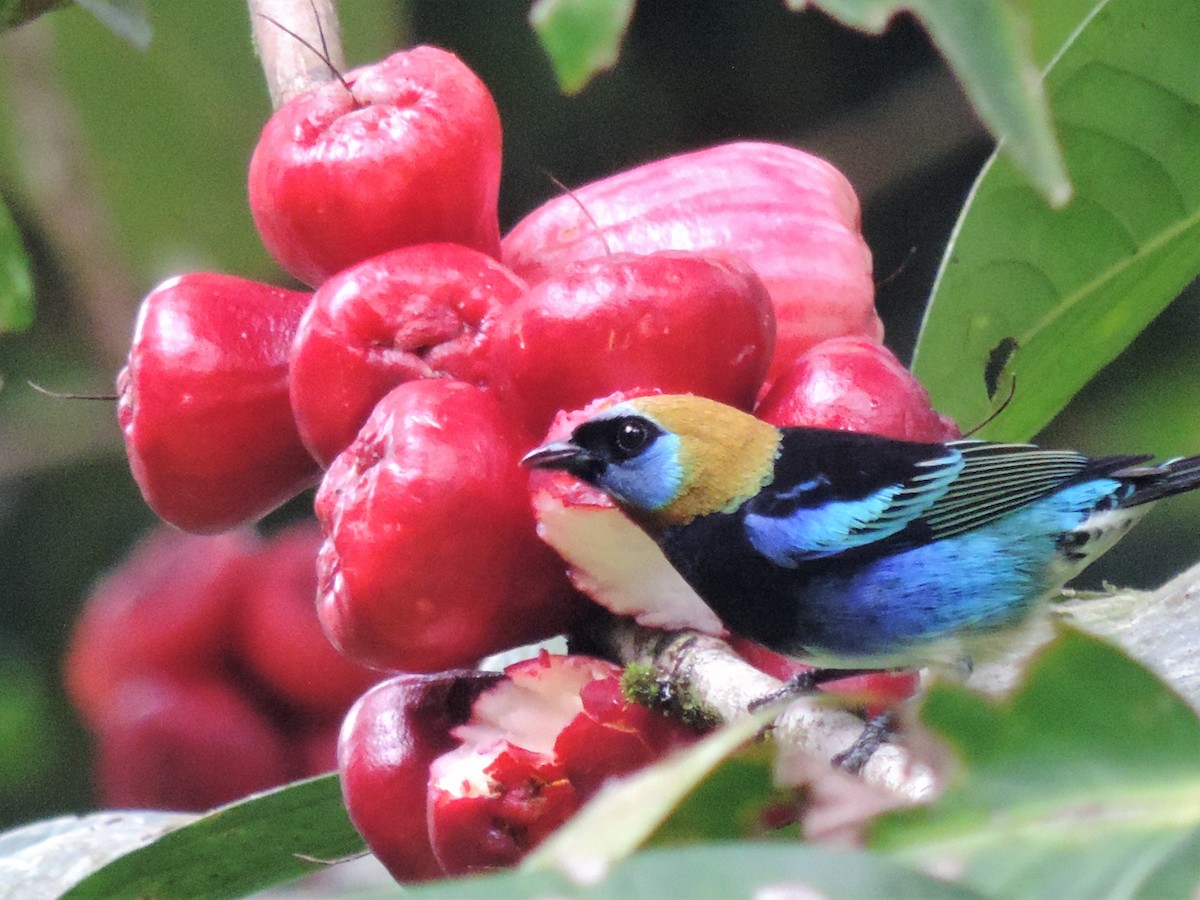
<point x="906" y="608"/>
<point x="900" y="608"/>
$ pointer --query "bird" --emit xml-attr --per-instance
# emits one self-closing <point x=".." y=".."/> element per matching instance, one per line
<point x="854" y="551"/>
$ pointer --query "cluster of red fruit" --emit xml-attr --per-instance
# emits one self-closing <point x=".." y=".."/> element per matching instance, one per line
<point x="201" y="667"/>
<point x="430" y="357"/>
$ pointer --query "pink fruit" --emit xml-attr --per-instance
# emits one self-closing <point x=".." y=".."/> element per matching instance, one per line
<point x="854" y="384"/>
<point x="676" y="322"/>
<point x="791" y="216"/>
<point x="387" y="743"/>
<point x="430" y="559"/>
<point x="204" y="403"/>
<point x="410" y="154"/>
<point x="411" y="313"/>
<point x="279" y="638"/>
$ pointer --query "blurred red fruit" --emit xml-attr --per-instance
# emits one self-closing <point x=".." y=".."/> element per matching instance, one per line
<point x="279" y="637"/>
<point x="168" y="608"/>
<point x="185" y="745"/>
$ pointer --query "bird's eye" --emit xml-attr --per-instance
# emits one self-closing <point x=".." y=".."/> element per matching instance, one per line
<point x="633" y="436"/>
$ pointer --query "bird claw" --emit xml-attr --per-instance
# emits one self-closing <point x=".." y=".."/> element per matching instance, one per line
<point x="876" y="732"/>
<point x="804" y="683"/>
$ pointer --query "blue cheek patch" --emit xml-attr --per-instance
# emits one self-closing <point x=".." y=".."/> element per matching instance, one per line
<point x="650" y="481"/>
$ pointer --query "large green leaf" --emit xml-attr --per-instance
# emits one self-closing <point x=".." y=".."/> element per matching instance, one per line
<point x="1067" y="290"/>
<point x="236" y="850"/>
<point x="16" y="285"/>
<point x="1085" y="783"/>
<point x="718" y="871"/>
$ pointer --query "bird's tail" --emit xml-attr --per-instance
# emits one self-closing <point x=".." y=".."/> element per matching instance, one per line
<point x="1151" y="483"/>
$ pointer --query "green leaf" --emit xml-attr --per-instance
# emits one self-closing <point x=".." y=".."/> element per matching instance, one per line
<point x="728" y="804"/>
<point x="719" y="871"/>
<point x="1084" y="783"/>
<point x="238" y="849"/>
<point x="1073" y="287"/>
<point x="628" y="810"/>
<point x="128" y="19"/>
<point x="581" y="37"/>
<point x="16" y="284"/>
<point x="987" y="43"/>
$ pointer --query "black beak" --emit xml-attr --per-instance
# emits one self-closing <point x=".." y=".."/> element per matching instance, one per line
<point x="559" y="455"/>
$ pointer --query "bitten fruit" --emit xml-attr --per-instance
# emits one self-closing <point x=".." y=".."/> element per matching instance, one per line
<point x="537" y="745"/>
<point x="387" y="742"/>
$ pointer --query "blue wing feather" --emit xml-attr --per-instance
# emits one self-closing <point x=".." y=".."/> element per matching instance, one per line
<point x="954" y="488"/>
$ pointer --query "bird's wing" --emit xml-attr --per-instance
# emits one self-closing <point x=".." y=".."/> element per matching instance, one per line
<point x="933" y="491"/>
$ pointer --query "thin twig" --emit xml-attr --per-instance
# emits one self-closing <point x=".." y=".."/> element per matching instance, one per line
<point x="286" y="34"/>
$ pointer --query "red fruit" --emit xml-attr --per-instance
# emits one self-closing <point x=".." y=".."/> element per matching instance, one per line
<point x="793" y="217"/>
<point x="411" y="313"/>
<point x="409" y="154"/>
<point x="610" y="559"/>
<point x="279" y="638"/>
<point x="612" y="736"/>
<point x="167" y="743"/>
<point x="854" y="384"/>
<point x="511" y="800"/>
<point x="204" y="401"/>
<point x="387" y="743"/>
<point x="677" y="322"/>
<point x="537" y="745"/>
<point x="168" y="608"/>
<point x="430" y="559"/>
<point x="496" y="796"/>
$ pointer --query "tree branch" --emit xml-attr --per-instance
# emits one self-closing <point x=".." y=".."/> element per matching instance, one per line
<point x="291" y="67"/>
<point x="707" y="669"/>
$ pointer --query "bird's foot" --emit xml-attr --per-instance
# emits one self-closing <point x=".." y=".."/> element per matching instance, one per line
<point x="804" y="683"/>
<point x="876" y="732"/>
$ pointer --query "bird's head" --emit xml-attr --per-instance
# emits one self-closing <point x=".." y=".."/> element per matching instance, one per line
<point x="668" y="458"/>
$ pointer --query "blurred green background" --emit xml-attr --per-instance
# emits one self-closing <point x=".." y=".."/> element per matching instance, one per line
<point x="123" y="167"/>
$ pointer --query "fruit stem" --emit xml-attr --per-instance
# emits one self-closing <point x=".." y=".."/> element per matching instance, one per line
<point x="287" y="34"/>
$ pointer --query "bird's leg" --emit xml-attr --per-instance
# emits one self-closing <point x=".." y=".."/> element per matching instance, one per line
<point x="805" y="683"/>
<point x="874" y="735"/>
